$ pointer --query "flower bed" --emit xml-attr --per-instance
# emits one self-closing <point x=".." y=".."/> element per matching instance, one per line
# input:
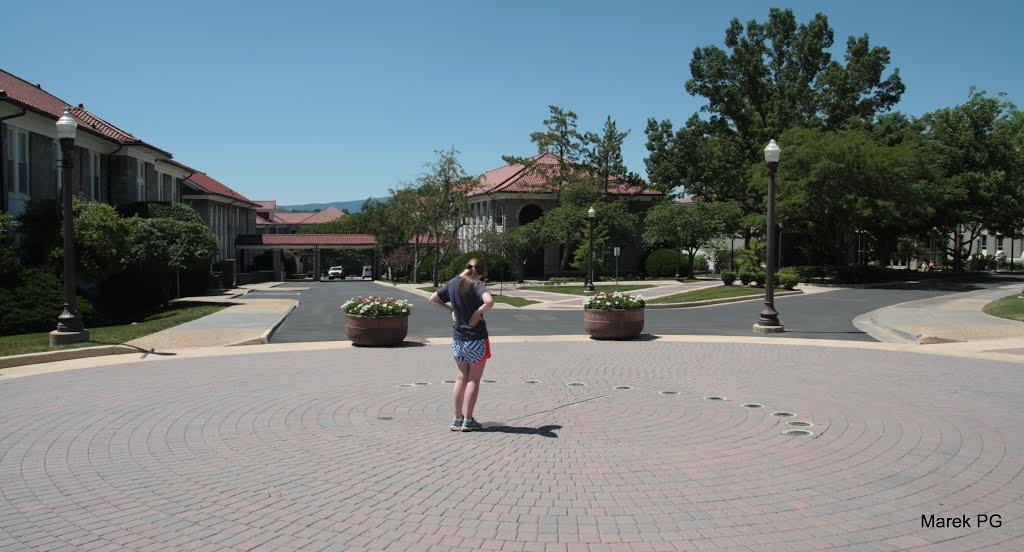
<point x="614" y="301"/>
<point x="377" y="306"/>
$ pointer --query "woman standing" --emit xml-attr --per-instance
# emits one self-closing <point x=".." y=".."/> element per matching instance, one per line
<point x="469" y="300"/>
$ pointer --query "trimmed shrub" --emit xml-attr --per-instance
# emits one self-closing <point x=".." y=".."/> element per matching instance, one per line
<point x="728" y="278"/>
<point x="288" y="262"/>
<point x="41" y="224"/>
<point x="497" y="265"/>
<point x="700" y="263"/>
<point x="787" y="277"/>
<point x="8" y="254"/>
<point x="157" y="209"/>
<point x="427" y="265"/>
<point x="32" y="300"/>
<point x="746" y="277"/>
<point x="661" y="263"/>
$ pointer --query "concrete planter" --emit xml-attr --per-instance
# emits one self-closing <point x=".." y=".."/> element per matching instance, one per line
<point x="376" y="331"/>
<point x="613" y="324"/>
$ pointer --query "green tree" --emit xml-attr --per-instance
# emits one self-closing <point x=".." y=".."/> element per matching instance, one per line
<point x="772" y="76"/>
<point x="385" y="221"/>
<point x="833" y="184"/>
<point x="587" y="165"/>
<point x="561" y="139"/>
<point x="516" y="244"/>
<point x="686" y="227"/>
<point x="409" y="202"/>
<point x="443" y="190"/>
<point x="8" y="254"/>
<point x="604" y="155"/>
<point x="979" y="148"/>
<point x="169" y="246"/>
<point x="100" y="239"/>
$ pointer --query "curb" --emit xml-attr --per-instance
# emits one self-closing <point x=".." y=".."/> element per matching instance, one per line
<point x="66" y="354"/>
<point x="719" y="301"/>
<point x="264" y="337"/>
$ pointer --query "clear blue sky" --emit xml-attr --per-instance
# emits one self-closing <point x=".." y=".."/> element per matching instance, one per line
<point x="330" y="101"/>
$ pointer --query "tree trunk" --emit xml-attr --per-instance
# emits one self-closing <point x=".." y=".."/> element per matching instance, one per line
<point x="416" y="261"/>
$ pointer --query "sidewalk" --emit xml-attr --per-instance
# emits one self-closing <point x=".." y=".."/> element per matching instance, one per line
<point x="946" y="319"/>
<point x="245" y="322"/>
<point x="955" y="318"/>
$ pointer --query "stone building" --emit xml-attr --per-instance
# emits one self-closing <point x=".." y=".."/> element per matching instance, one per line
<point x="514" y="195"/>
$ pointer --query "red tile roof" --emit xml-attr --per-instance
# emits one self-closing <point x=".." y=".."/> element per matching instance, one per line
<point x="305" y="217"/>
<point x="307" y="239"/>
<point x="320" y="239"/>
<point x="267" y="205"/>
<point x="33" y="96"/>
<point x="207" y="183"/>
<point x="519" y="178"/>
<point x="110" y="131"/>
<point x="428" y="239"/>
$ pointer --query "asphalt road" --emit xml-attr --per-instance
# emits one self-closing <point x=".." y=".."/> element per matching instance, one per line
<point x="816" y="316"/>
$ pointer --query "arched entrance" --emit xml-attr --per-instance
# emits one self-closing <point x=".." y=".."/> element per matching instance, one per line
<point x="534" y="265"/>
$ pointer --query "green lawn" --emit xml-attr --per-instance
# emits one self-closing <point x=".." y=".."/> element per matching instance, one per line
<point x="1011" y="306"/>
<point x="514" y="301"/>
<point x="578" y="290"/>
<point x="506" y="299"/>
<point x="173" y="315"/>
<point x="706" y="294"/>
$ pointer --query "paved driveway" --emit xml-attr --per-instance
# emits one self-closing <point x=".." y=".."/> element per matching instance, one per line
<point x="336" y="450"/>
<point x="818" y="316"/>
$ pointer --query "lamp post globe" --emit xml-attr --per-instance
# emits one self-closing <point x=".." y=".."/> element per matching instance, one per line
<point x="588" y="287"/>
<point x="70" y="328"/>
<point x="768" y="321"/>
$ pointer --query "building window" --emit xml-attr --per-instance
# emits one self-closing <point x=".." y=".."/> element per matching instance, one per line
<point x="984" y="242"/>
<point x="175" y="183"/>
<point x="140" y="179"/>
<point x="22" y="162"/>
<point x="159" y="186"/>
<point x="58" y="166"/>
<point x="16" y="158"/>
<point x="8" y="154"/>
<point x="95" y="176"/>
<point x="999" y="243"/>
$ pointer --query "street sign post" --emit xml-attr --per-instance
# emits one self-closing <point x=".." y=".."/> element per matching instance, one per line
<point x="616" y="265"/>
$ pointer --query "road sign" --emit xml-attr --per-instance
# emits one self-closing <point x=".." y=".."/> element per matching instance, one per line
<point x="616" y="251"/>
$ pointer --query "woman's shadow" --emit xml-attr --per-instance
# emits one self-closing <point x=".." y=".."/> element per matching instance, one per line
<point x="543" y="431"/>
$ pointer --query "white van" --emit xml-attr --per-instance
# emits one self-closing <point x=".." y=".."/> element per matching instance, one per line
<point x="368" y="272"/>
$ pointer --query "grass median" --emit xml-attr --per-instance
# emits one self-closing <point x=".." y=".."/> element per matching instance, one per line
<point x="707" y="294"/>
<point x="578" y="290"/>
<point x="504" y="299"/>
<point x="175" y="314"/>
<point x="1010" y="307"/>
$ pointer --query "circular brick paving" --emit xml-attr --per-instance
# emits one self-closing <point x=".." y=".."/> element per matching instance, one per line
<point x="322" y="450"/>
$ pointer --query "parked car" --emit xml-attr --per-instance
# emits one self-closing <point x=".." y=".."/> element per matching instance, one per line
<point x="336" y="272"/>
<point x="368" y="272"/>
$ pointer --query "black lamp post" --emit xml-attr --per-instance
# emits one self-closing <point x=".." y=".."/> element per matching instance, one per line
<point x="588" y="287"/>
<point x="769" y="320"/>
<point x="70" y="328"/>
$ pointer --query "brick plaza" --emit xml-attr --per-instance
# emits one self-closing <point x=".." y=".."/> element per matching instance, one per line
<point x="338" y="449"/>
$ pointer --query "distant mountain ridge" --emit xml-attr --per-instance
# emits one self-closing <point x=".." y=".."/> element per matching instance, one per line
<point x="350" y="206"/>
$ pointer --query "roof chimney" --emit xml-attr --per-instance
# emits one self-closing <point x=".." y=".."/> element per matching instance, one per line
<point x="81" y="106"/>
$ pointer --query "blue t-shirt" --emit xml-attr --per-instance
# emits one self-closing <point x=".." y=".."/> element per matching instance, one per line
<point x="464" y="307"/>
